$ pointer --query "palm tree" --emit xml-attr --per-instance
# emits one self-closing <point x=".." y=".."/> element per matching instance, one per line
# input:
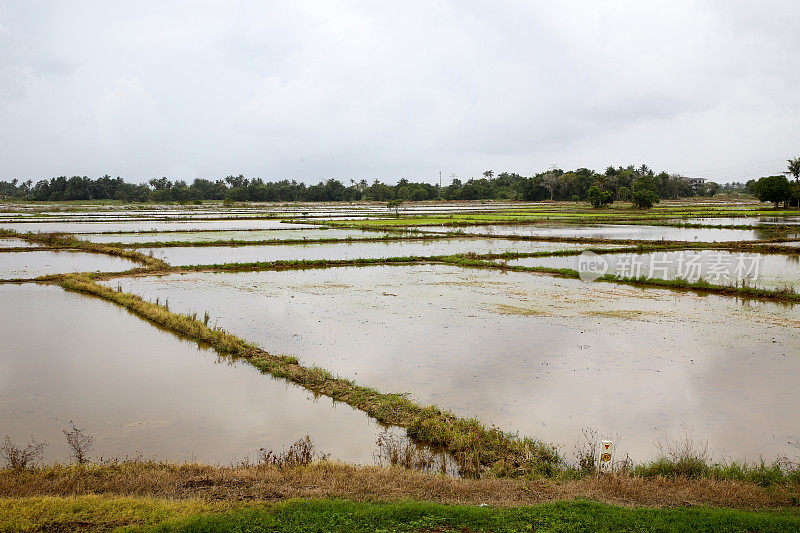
<point x="794" y="170"/>
<point x="488" y="174"/>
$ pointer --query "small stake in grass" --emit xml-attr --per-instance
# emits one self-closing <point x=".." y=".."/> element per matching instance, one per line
<point x="606" y="453"/>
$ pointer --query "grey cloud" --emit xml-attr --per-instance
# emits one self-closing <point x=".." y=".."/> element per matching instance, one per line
<point x="350" y="89"/>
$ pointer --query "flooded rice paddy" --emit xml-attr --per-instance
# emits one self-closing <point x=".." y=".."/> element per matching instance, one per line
<point x="143" y="391"/>
<point x="15" y="243"/>
<point x="146" y="225"/>
<point x="348" y="250"/>
<point x="20" y="265"/>
<point x="616" y="231"/>
<point x="530" y="353"/>
<point x="240" y="235"/>
<point x="713" y="266"/>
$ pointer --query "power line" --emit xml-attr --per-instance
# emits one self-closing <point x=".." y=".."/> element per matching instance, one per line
<point x="743" y="166"/>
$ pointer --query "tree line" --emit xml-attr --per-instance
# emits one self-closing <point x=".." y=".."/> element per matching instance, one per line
<point x="616" y="183"/>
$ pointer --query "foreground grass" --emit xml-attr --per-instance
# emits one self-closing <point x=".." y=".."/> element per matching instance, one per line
<point x="330" y="479"/>
<point x="315" y="515"/>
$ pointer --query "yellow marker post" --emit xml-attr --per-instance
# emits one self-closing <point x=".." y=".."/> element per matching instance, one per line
<point x="606" y="453"/>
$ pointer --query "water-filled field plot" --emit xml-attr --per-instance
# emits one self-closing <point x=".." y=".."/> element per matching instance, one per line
<point x="349" y="250"/>
<point x="617" y="231"/>
<point x="143" y="391"/>
<point x="771" y="271"/>
<point x="241" y="235"/>
<point x="531" y="353"/>
<point x="35" y="263"/>
<point x="146" y="225"/>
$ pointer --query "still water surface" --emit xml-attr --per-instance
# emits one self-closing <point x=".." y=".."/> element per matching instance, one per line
<point x="25" y="265"/>
<point x="714" y="266"/>
<point x="141" y="390"/>
<point x="349" y="250"/>
<point x="616" y="231"/>
<point x="530" y="353"/>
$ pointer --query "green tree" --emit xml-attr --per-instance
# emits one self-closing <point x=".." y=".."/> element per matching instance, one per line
<point x="774" y="189"/>
<point x="488" y="174"/>
<point x="597" y="197"/>
<point x="644" y="199"/>
<point x="794" y="170"/>
<point x="394" y="204"/>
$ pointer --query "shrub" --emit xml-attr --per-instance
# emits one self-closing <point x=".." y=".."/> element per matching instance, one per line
<point x="21" y="458"/>
<point x="645" y="199"/>
<point x="598" y="198"/>
<point x="80" y="443"/>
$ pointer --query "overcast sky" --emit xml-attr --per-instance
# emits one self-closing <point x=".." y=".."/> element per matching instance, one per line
<point x="345" y="89"/>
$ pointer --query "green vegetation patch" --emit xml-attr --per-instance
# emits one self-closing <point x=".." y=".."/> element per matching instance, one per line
<point x="322" y="516"/>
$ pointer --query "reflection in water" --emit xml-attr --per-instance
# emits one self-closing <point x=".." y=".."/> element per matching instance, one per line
<point x="26" y="265"/>
<point x="349" y="250"/>
<point x="714" y="266"/>
<point x="143" y="391"/>
<point x="537" y="354"/>
<point x="240" y="235"/>
<point x="144" y="225"/>
<point x="619" y="231"/>
<point x="15" y="243"/>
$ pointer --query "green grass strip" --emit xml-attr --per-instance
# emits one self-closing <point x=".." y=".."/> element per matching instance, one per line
<point x="329" y="516"/>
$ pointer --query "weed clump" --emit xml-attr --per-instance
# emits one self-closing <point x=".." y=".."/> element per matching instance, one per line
<point x="301" y="453"/>
<point x="397" y="451"/>
<point x="19" y="459"/>
<point x="80" y="443"/>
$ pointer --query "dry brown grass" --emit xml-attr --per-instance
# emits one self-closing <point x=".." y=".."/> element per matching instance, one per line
<point x="374" y="483"/>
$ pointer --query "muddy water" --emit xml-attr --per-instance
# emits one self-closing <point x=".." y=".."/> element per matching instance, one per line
<point x="714" y="266"/>
<point x="537" y="354"/>
<point x="348" y="250"/>
<point x="15" y="243"/>
<point x="614" y="231"/>
<point x="15" y="265"/>
<point x="143" y="391"/>
<point x="731" y="221"/>
<point x="145" y="225"/>
<point x="257" y="235"/>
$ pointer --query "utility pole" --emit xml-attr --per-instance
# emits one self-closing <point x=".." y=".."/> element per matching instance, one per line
<point x="440" y="179"/>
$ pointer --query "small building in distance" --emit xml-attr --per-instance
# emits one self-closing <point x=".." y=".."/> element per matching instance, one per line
<point x="696" y="183"/>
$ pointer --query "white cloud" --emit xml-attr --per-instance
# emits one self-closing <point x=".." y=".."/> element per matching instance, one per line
<point x="317" y="89"/>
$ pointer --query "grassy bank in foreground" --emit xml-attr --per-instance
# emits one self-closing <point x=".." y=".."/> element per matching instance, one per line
<point x="93" y="513"/>
<point x="332" y="479"/>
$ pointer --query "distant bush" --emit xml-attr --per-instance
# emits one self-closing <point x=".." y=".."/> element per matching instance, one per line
<point x="645" y="199"/>
<point x="599" y="198"/>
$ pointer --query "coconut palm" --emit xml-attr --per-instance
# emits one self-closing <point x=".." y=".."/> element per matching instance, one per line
<point x="794" y="168"/>
<point x="488" y="174"/>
